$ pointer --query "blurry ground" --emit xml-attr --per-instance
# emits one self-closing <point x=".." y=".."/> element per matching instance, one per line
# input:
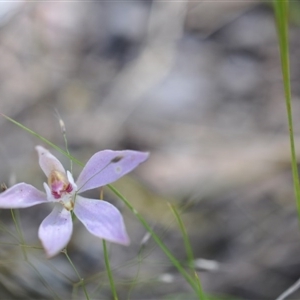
<point x="196" y="84"/>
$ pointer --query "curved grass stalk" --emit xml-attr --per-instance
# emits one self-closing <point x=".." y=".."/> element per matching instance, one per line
<point x="187" y="244"/>
<point x="81" y="280"/>
<point x="107" y="264"/>
<point x="43" y="140"/>
<point x="19" y="231"/>
<point x="281" y="16"/>
<point x="15" y="217"/>
<point x="188" y="249"/>
<point x="174" y="261"/>
<point x="109" y="272"/>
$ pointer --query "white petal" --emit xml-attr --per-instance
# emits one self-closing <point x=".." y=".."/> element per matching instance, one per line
<point x="48" y="162"/>
<point x="101" y="219"/>
<point x="48" y="192"/>
<point x="56" y="230"/>
<point x="71" y="180"/>
<point x="108" y="166"/>
<point x="21" y="195"/>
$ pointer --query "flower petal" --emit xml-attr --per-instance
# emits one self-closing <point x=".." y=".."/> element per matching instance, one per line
<point x="21" y="195"/>
<point x="48" y="162"/>
<point x="107" y="166"/>
<point x="56" y="230"/>
<point x="101" y="219"/>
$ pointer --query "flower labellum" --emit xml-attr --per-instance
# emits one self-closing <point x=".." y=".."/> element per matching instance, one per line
<point x="99" y="217"/>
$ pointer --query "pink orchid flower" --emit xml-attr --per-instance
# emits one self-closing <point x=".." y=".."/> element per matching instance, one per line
<point x="99" y="217"/>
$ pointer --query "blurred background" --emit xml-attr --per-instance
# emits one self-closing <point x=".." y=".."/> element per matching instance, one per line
<point x="198" y="84"/>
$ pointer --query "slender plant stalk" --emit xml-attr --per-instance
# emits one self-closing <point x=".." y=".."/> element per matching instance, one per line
<point x="15" y="217"/>
<point x="281" y="16"/>
<point x="186" y="240"/>
<point x="134" y="281"/>
<point x="188" y="249"/>
<point x="19" y="231"/>
<point x="77" y="273"/>
<point x="63" y="131"/>
<point x="107" y="264"/>
<point x="174" y="261"/>
<point x="44" y="140"/>
<point x="43" y="280"/>
<point x="200" y="290"/>
<point x="109" y="272"/>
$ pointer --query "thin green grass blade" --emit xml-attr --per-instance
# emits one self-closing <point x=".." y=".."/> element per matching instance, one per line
<point x="201" y="294"/>
<point x="188" y="249"/>
<point x="134" y="282"/>
<point x="81" y="280"/>
<point x="63" y="131"/>
<point x="44" y="140"/>
<point x="109" y="272"/>
<point x="186" y="241"/>
<point x="43" y="281"/>
<point x="174" y="261"/>
<point x="15" y="217"/>
<point x="16" y="220"/>
<point x="281" y="16"/>
<point x="107" y="263"/>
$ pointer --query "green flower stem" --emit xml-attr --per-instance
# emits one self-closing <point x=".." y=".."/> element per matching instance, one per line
<point x="188" y="249"/>
<point x="63" y="131"/>
<point x="77" y="273"/>
<point x="106" y="259"/>
<point x="43" y="280"/>
<point x="174" y="261"/>
<point x="109" y="272"/>
<point x="19" y="231"/>
<point x="44" y="140"/>
<point x="281" y="16"/>
<point x="15" y="217"/>
<point x="186" y="241"/>
<point x="199" y="285"/>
